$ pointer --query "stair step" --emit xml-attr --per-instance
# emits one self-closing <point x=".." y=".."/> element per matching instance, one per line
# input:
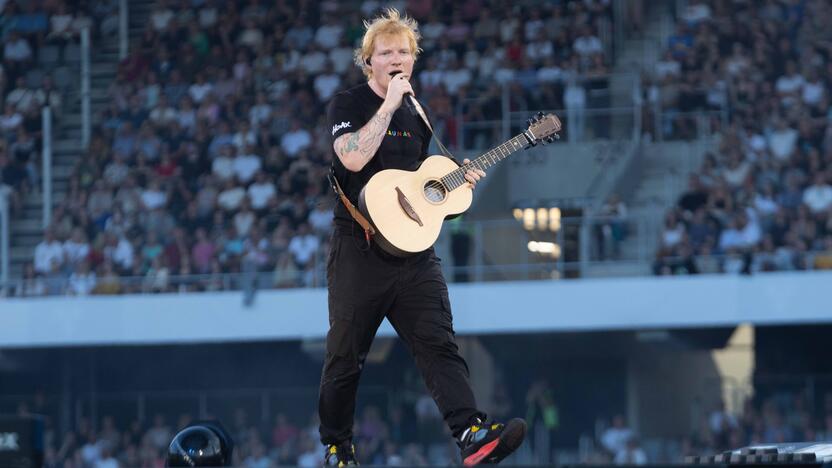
<point x="27" y="227"/>
<point x="104" y="67"/>
<point x="32" y="212"/>
<point x="35" y="200"/>
<point x="28" y="242"/>
<point x="110" y="56"/>
<point x="21" y="254"/>
<point x="67" y="145"/>
<point x="102" y="81"/>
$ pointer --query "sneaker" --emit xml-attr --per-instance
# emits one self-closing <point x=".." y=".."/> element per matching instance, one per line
<point x="340" y="455"/>
<point x="490" y="443"/>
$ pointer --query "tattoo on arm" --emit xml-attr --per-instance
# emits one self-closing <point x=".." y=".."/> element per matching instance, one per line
<point x="364" y="142"/>
<point x="352" y="143"/>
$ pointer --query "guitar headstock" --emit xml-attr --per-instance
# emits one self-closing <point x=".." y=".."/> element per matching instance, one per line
<point x="543" y="129"/>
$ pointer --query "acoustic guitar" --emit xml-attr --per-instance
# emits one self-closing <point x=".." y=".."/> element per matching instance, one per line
<point x="407" y="208"/>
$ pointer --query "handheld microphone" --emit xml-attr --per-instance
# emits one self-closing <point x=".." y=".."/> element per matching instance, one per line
<point x="408" y="98"/>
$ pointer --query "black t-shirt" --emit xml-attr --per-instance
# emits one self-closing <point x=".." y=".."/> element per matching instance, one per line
<point x="404" y="145"/>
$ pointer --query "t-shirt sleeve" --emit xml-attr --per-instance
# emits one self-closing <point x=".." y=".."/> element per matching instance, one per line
<point x="342" y="116"/>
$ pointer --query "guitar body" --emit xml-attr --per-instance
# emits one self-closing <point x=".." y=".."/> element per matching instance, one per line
<point x="407" y="208"/>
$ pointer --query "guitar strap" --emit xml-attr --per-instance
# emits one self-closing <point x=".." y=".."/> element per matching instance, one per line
<point x="353" y="211"/>
<point x="369" y="230"/>
<point x="424" y="117"/>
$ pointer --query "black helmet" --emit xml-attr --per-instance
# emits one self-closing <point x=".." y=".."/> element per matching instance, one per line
<point x="200" y="444"/>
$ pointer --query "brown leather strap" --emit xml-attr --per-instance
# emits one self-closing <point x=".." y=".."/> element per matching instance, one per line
<point x="356" y="215"/>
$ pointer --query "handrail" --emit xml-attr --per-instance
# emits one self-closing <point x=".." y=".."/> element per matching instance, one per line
<point x="487" y="236"/>
<point x="4" y="241"/>
<point x="123" y="29"/>
<point x="46" y="160"/>
<point x="86" y="122"/>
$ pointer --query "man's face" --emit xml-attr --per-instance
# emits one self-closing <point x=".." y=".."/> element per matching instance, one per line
<point x="391" y="54"/>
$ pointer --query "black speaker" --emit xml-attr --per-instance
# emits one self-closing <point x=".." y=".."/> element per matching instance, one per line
<point x="792" y="454"/>
<point x="21" y="441"/>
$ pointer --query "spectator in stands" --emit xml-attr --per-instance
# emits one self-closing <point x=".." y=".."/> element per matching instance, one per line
<point x="82" y="281"/>
<point x="611" y="229"/>
<point x="632" y="454"/>
<point x="107" y="280"/>
<point x="614" y="439"/>
<point x="574" y="98"/>
<point x="241" y="80"/>
<point x="17" y="55"/>
<point x="818" y="197"/>
<point x="33" y="284"/>
<point x="10" y="121"/>
<point x="76" y="249"/>
<point x="48" y="252"/>
<point x="295" y="140"/>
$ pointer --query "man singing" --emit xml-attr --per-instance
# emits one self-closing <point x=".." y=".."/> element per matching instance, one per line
<point x="372" y="130"/>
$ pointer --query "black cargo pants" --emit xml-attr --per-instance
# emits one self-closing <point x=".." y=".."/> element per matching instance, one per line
<point x="365" y="286"/>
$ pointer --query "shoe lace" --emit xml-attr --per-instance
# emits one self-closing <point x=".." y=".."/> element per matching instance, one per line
<point x="478" y="430"/>
<point x="344" y="454"/>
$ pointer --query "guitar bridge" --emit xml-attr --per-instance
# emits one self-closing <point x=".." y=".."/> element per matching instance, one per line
<point x="407" y="207"/>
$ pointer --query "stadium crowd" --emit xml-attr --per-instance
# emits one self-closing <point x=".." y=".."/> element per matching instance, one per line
<point x="212" y="154"/>
<point x="413" y="435"/>
<point x="40" y="50"/>
<point x="763" y="200"/>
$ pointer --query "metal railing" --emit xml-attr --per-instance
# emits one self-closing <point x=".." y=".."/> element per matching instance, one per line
<point x="46" y="161"/>
<point x="522" y="249"/>
<point x="86" y="117"/>
<point x="669" y="125"/>
<point x="588" y="124"/>
<point x="4" y="240"/>
<point x="497" y="250"/>
<point x="123" y="29"/>
<point x="579" y="125"/>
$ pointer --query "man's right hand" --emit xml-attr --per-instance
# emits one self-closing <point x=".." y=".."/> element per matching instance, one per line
<point x="396" y="89"/>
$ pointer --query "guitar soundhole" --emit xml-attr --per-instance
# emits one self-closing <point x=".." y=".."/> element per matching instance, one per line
<point x="434" y="191"/>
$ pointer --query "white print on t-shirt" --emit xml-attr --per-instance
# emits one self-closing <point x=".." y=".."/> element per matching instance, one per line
<point x="339" y="126"/>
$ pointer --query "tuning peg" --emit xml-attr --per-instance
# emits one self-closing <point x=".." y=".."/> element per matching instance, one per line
<point x="539" y="116"/>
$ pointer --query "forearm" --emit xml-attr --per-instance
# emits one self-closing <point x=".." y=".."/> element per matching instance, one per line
<point x="357" y="149"/>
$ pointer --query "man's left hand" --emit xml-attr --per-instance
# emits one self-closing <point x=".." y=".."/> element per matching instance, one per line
<point x="473" y="175"/>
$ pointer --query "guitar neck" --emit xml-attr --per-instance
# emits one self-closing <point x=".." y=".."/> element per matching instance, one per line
<point x="456" y="178"/>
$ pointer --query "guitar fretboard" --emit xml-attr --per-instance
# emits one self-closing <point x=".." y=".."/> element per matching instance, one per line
<point x="456" y="177"/>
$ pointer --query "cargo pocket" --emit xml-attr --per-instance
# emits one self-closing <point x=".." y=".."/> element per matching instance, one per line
<point x="340" y="339"/>
<point x="446" y="309"/>
<point x="335" y="247"/>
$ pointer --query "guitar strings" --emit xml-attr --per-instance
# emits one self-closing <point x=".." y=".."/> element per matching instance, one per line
<point x="456" y="177"/>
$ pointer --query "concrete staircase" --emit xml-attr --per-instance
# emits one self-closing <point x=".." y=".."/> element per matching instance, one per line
<point x="27" y="229"/>
<point x="662" y="168"/>
<point x="639" y="53"/>
<point x="664" y="176"/>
